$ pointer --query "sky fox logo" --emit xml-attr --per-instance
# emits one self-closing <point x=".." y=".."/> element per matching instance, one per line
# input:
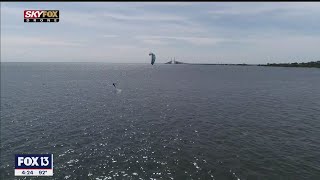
<point x="41" y="16"/>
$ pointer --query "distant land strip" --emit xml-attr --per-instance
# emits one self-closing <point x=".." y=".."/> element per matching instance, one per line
<point x="315" y="64"/>
<point x="311" y="64"/>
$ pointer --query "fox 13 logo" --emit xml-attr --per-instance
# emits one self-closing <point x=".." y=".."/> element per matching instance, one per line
<point x="33" y="165"/>
<point x="41" y="16"/>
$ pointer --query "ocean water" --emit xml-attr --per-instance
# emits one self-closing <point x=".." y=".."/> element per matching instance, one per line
<point x="162" y="121"/>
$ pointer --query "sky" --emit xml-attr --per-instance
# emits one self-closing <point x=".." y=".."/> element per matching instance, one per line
<point x="192" y="32"/>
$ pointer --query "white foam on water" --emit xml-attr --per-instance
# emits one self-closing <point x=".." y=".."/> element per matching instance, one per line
<point x="196" y="165"/>
<point x="62" y="155"/>
<point x="73" y="161"/>
<point x="209" y="172"/>
<point x="118" y="91"/>
<point x="103" y="177"/>
<point x="235" y="175"/>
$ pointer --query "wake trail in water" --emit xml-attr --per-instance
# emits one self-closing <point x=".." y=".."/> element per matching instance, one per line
<point x="118" y="91"/>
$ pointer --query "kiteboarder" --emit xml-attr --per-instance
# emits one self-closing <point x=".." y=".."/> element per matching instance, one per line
<point x="114" y="85"/>
<point x="153" y="58"/>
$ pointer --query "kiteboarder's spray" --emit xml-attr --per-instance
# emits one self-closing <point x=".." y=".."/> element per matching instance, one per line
<point x="118" y="91"/>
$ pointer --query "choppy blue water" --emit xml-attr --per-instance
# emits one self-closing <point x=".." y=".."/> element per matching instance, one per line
<point x="164" y="121"/>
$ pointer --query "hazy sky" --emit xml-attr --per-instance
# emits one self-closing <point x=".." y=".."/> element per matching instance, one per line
<point x="200" y="32"/>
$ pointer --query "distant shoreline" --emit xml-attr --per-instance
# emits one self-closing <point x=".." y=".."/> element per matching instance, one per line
<point x="223" y="64"/>
<point x="312" y="64"/>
